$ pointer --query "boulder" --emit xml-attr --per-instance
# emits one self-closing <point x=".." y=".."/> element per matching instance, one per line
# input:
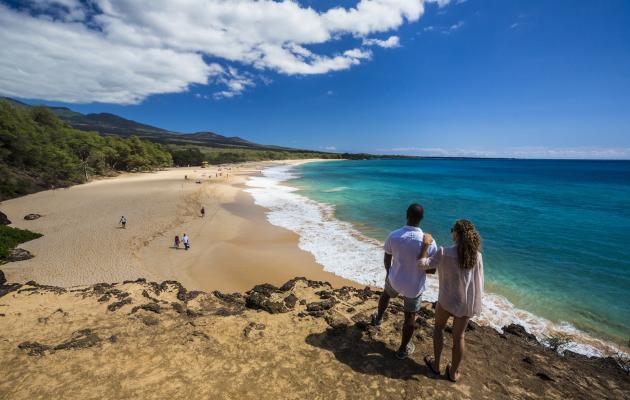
<point x="4" y="220"/>
<point x="30" y="217"/>
<point x="19" y="255"/>
<point x="259" y="301"/>
<point x="3" y="280"/>
<point x="518" y="330"/>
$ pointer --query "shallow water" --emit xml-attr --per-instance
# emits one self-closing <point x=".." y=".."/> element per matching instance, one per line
<point x="554" y="231"/>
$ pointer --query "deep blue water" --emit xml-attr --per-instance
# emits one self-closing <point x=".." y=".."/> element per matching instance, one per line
<point x="556" y="233"/>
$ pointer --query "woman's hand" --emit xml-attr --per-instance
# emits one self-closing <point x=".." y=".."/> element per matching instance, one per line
<point x="427" y="239"/>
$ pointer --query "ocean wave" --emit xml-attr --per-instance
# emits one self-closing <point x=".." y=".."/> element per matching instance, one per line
<point x="346" y="252"/>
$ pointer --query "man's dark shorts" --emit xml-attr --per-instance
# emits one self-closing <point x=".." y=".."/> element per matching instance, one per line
<point x="410" y="304"/>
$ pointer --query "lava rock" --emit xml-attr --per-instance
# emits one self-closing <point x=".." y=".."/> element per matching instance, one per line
<point x="33" y="348"/>
<point x="116" y="305"/>
<point x="290" y="301"/>
<point x="19" y="255"/>
<point x="30" y="217"/>
<point x="4" y="220"/>
<point x="80" y="340"/>
<point x="518" y="330"/>
<point x="153" y="307"/>
<point x="5" y="289"/>
<point x="321" y="305"/>
<point x="259" y="301"/>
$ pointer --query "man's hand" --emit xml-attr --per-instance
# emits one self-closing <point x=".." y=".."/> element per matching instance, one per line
<point x="427" y="239"/>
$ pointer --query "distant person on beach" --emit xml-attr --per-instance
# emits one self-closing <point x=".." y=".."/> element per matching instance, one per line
<point x="176" y="241"/>
<point x="123" y="222"/>
<point x="402" y="248"/>
<point x="186" y="241"/>
<point x="203" y="212"/>
<point x="460" y="272"/>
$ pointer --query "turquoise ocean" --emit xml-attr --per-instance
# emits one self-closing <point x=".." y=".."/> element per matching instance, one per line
<point x="556" y="233"/>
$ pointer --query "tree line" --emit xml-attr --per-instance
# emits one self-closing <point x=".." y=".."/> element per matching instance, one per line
<point x="38" y="151"/>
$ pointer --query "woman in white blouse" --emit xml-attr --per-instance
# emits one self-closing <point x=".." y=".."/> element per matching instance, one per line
<point x="460" y="272"/>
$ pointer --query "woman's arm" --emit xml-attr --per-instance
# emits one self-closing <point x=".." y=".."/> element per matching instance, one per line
<point x="428" y="264"/>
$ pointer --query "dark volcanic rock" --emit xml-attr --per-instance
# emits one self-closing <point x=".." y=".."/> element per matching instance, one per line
<point x="4" y="220"/>
<point x="33" y="348"/>
<point x="30" y="217"/>
<point x="266" y="289"/>
<point x="19" y="255"/>
<point x="290" y="301"/>
<point x="178" y="307"/>
<point x="259" y="301"/>
<point x="3" y="280"/>
<point x="80" y="340"/>
<point x="4" y="289"/>
<point x="321" y="305"/>
<point x="518" y="330"/>
<point x="116" y="305"/>
<point x="153" y="307"/>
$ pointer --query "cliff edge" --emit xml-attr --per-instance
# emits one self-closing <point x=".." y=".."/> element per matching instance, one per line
<point x="304" y="340"/>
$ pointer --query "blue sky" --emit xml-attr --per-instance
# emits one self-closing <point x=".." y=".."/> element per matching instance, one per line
<point x="488" y="78"/>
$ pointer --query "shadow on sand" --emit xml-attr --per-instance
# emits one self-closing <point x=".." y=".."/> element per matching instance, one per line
<point x="365" y="355"/>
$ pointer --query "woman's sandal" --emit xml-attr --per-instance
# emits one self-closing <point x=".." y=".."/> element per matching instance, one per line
<point x="448" y="373"/>
<point x="428" y="360"/>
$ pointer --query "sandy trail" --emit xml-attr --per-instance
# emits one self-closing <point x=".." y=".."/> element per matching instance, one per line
<point x="232" y="248"/>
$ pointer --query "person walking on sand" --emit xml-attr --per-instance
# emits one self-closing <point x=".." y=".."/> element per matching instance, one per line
<point x="123" y="222"/>
<point x="403" y="276"/>
<point x="176" y="241"/>
<point x="203" y="211"/>
<point x="460" y="276"/>
<point x="186" y="241"/>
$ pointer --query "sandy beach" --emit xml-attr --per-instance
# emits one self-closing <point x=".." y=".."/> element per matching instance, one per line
<point x="232" y="248"/>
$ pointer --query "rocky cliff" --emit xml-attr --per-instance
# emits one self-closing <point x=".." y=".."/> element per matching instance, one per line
<point x="303" y="340"/>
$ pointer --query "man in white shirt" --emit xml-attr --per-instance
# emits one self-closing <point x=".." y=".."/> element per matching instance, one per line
<point x="402" y="249"/>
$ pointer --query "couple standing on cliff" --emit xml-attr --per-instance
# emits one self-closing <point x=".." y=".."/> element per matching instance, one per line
<point x="409" y="255"/>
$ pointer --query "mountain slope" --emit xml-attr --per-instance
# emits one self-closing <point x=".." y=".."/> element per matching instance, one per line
<point x="111" y="124"/>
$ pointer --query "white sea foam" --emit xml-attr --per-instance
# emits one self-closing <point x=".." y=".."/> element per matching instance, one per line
<point x="344" y="251"/>
<point x="336" y="189"/>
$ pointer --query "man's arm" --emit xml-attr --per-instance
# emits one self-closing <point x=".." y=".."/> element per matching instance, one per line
<point x="387" y="261"/>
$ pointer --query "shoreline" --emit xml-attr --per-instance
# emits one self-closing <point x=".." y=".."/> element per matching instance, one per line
<point x="232" y="248"/>
<point x="499" y="310"/>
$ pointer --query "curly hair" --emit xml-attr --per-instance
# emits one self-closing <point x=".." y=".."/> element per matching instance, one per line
<point x="468" y="243"/>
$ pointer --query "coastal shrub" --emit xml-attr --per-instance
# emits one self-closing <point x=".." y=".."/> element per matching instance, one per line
<point x="557" y="341"/>
<point x="11" y="237"/>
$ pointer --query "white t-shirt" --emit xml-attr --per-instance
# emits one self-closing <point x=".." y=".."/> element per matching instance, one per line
<point x="404" y="245"/>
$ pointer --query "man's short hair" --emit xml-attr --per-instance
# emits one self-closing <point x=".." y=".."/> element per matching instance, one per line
<point x="415" y="213"/>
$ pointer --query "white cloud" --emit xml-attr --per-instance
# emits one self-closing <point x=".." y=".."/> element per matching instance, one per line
<point x="121" y="51"/>
<point x="390" y="42"/>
